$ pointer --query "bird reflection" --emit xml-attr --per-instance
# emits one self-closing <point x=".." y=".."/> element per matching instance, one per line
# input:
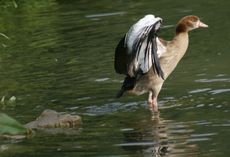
<point x="159" y="132"/>
<point x="159" y="138"/>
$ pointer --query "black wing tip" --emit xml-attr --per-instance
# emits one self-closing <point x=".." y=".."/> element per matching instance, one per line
<point x="119" y="93"/>
<point x="161" y="74"/>
<point x="158" y="70"/>
<point x="120" y="57"/>
<point x="156" y="62"/>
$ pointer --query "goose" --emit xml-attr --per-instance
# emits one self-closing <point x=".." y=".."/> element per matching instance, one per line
<point x="147" y="60"/>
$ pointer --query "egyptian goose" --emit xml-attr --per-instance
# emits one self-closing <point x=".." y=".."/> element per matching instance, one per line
<point x="148" y="60"/>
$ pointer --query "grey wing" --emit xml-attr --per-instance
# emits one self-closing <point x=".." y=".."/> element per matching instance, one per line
<point x="143" y="54"/>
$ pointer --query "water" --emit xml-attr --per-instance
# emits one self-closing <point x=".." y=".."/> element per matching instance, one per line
<point x="59" y="56"/>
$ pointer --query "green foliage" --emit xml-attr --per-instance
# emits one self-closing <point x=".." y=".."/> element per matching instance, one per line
<point x="8" y="3"/>
<point x="10" y="103"/>
<point x="11" y="126"/>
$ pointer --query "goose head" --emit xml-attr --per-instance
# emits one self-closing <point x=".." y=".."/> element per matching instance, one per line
<point x="189" y="23"/>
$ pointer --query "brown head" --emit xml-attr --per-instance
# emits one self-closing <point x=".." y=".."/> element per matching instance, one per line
<point x="189" y="23"/>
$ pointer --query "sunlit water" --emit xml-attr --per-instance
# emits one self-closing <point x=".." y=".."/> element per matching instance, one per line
<point x="56" y="55"/>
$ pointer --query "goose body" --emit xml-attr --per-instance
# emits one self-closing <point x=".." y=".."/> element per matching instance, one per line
<point x="148" y="60"/>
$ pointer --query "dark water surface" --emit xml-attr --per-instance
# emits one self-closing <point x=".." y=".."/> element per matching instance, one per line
<point x="59" y="55"/>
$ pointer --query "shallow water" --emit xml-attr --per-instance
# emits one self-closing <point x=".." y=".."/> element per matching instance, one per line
<point x="59" y="55"/>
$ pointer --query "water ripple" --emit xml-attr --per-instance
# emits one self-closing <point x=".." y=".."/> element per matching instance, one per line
<point x="137" y="144"/>
<point x="199" y="90"/>
<point x="105" y="14"/>
<point x="111" y="107"/>
<point x="203" y="135"/>
<point x="218" y="91"/>
<point x="198" y="139"/>
<point x="102" y="79"/>
<point x="213" y="80"/>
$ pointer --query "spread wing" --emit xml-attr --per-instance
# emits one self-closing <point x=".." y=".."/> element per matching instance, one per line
<point x="137" y="52"/>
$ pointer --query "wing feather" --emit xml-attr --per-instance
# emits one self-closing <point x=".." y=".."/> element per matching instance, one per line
<point x="137" y="52"/>
<point x="142" y="46"/>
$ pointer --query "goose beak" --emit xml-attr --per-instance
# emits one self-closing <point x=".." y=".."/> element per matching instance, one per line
<point x="202" y="25"/>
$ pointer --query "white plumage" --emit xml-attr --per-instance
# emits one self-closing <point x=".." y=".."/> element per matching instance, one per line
<point x="141" y="42"/>
<point x="137" y="29"/>
<point x="161" y="49"/>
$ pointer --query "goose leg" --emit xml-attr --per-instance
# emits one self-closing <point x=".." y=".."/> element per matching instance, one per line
<point x="154" y="104"/>
<point x="152" y="101"/>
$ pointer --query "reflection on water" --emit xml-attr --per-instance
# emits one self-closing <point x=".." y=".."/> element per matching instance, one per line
<point x="156" y="136"/>
<point x="59" y="55"/>
<point x="161" y="138"/>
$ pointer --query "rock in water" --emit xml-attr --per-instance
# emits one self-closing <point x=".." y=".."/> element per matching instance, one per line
<point x="53" y="119"/>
